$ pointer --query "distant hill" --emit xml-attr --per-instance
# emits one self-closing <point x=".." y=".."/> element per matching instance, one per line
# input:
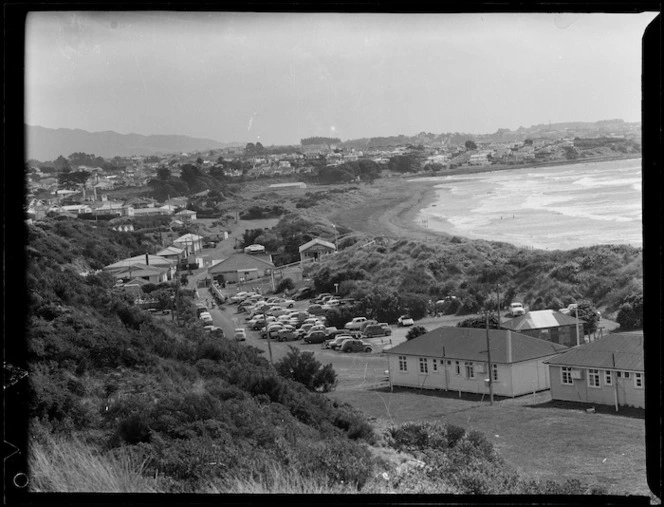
<point x="47" y="144"/>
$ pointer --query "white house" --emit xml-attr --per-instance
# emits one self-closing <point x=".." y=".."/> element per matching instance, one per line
<point x="608" y="371"/>
<point x="456" y="359"/>
<point x="192" y="243"/>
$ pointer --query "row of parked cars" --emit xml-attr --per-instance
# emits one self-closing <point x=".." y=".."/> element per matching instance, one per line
<point x="204" y="315"/>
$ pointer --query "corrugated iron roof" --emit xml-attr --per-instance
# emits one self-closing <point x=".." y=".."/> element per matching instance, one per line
<point x="625" y="348"/>
<point x="469" y="344"/>
<point x="317" y="241"/>
<point x="239" y="262"/>
<point x="540" y="319"/>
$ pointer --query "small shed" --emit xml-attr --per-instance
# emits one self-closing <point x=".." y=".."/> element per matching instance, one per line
<point x="548" y="325"/>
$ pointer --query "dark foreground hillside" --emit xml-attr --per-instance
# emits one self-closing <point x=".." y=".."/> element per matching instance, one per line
<point x="122" y="400"/>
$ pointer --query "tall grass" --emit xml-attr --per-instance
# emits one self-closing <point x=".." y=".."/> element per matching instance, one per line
<point x="69" y="466"/>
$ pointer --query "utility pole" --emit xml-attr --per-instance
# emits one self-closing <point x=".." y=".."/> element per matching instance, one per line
<point x="488" y="351"/>
<point x="267" y="336"/>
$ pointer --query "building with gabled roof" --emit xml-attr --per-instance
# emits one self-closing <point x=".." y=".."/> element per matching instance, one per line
<point x="240" y="267"/>
<point x="192" y="243"/>
<point x="608" y="371"/>
<point x="548" y="325"/>
<point x="316" y="248"/>
<point x="456" y="359"/>
<point x="146" y="260"/>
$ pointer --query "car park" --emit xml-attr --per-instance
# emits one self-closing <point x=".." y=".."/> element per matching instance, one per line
<point x="381" y="329"/>
<point x="355" y="345"/>
<point x="240" y="334"/>
<point x="356" y="323"/>
<point x="405" y="320"/>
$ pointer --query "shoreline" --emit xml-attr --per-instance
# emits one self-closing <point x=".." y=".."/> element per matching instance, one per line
<point x="389" y="208"/>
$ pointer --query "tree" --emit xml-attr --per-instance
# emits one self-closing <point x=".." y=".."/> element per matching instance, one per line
<point x="589" y="314"/>
<point x="164" y="173"/>
<point x="404" y="164"/>
<point x="630" y="315"/>
<point x="415" y="331"/>
<point x="73" y="179"/>
<point x="190" y="174"/>
<point x="302" y="367"/>
<point x="528" y="142"/>
<point x="61" y="164"/>
<point x="471" y="145"/>
<point x="199" y="160"/>
<point x="285" y="284"/>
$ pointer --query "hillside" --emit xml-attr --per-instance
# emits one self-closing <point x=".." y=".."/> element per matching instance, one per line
<point x="122" y="400"/>
<point x="47" y="144"/>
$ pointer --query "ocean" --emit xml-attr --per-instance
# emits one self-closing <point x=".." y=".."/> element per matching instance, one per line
<point x="555" y="207"/>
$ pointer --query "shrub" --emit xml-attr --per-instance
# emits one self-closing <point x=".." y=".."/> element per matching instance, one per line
<point x="415" y="331"/>
<point x="285" y="284"/>
<point x="302" y="367"/>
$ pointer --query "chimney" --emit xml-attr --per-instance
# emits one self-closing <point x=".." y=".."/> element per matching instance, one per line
<point x="147" y="259"/>
<point x="509" y="346"/>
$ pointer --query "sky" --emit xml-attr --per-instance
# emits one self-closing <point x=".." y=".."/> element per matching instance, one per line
<point x="280" y="77"/>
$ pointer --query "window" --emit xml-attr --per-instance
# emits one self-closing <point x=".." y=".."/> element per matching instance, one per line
<point x="626" y="374"/>
<point x="608" y="378"/>
<point x="424" y="365"/>
<point x="638" y="380"/>
<point x="435" y="365"/>
<point x="593" y="378"/>
<point x="403" y="366"/>
<point x="619" y="374"/>
<point x="566" y="375"/>
<point x="457" y="367"/>
<point x="470" y="369"/>
<point x="494" y="368"/>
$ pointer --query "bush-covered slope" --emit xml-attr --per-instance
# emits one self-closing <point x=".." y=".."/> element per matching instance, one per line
<point x="191" y="407"/>
<point x="471" y="269"/>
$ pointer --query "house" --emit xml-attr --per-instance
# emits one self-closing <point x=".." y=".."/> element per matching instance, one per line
<point x="78" y="209"/>
<point x="114" y="208"/>
<point x="186" y="215"/>
<point x="152" y="274"/>
<point x="172" y="253"/>
<point x="240" y="267"/>
<point x="608" y="371"/>
<point x="316" y="248"/>
<point x="191" y="243"/>
<point x="548" y="325"/>
<point x="456" y="359"/>
<point x="145" y="260"/>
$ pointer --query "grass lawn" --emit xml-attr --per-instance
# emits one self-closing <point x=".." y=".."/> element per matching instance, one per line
<point x="536" y="437"/>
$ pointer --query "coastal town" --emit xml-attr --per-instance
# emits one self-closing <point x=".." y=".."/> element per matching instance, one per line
<point x="205" y="256"/>
<point x="319" y="253"/>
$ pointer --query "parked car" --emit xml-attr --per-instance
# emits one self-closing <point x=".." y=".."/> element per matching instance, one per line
<point x="381" y="329"/>
<point x="210" y="244"/>
<point x="355" y="345"/>
<point x="238" y="297"/>
<point x="356" y="323"/>
<point x="303" y="293"/>
<point x="240" y="334"/>
<point x="367" y="323"/>
<point x="278" y="311"/>
<point x="517" y="309"/>
<point x="319" y="298"/>
<point x="287" y="334"/>
<point x="317" y="336"/>
<point x="261" y="322"/>
<point x="336" y="342"/>
<point x="316" y="309"/>
<point x="405" y="320"/>
<point x="271" y="331"/>
<point x="286" y="303"/>
<point x="206" y="317"/>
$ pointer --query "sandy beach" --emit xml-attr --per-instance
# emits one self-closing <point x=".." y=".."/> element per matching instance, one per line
<point x="405" y="207"/>
<point x="389" y="207"/>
